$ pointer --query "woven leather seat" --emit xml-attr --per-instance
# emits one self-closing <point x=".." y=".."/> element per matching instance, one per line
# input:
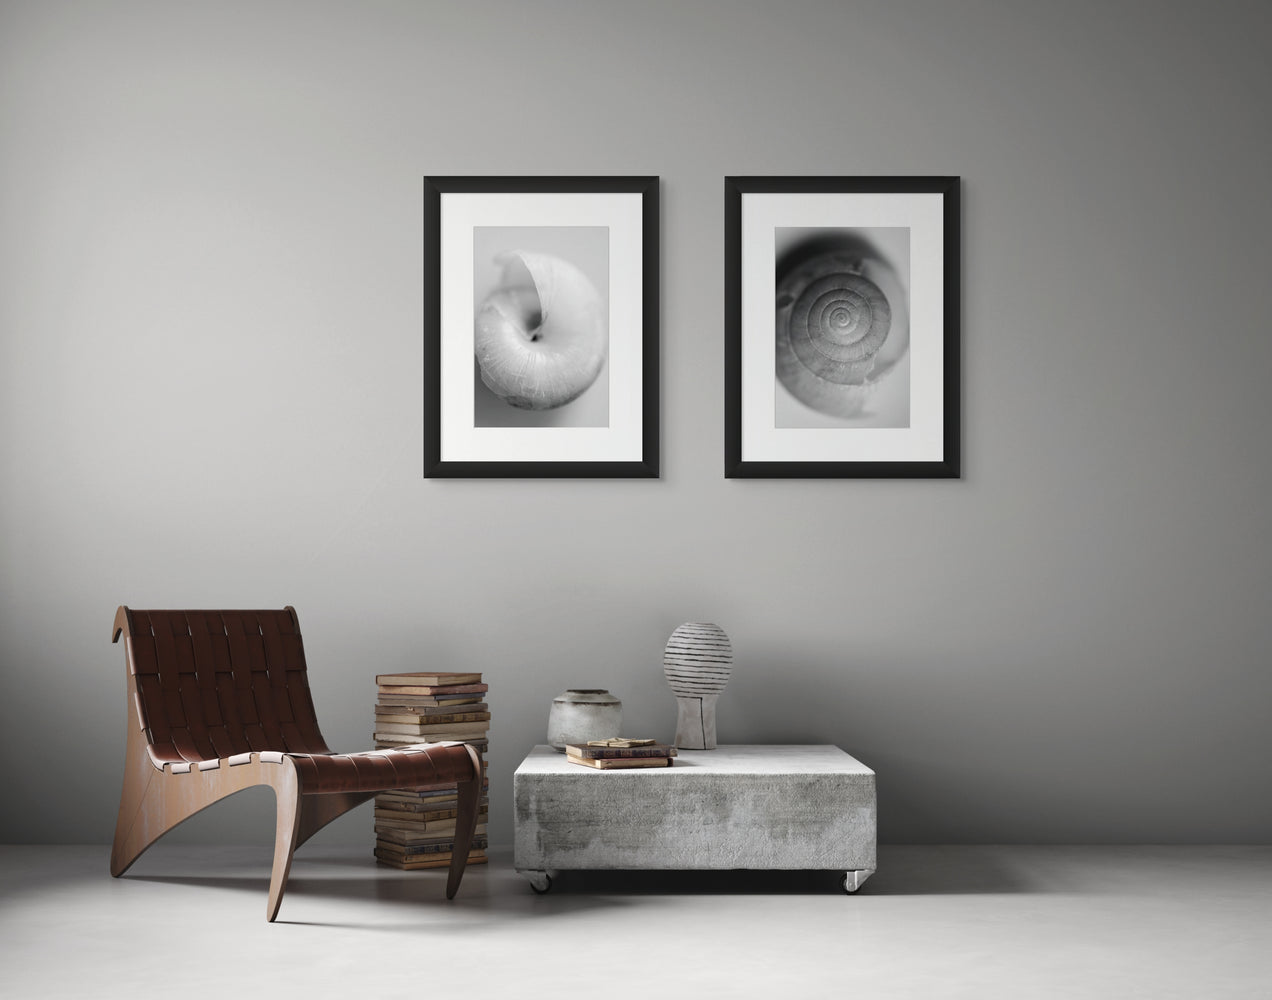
<point x="218" y="701"/>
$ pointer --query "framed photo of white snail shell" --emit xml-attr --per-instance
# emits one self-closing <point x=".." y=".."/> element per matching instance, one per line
<point x="842" y="327"/>
<point x="540" y="327"/>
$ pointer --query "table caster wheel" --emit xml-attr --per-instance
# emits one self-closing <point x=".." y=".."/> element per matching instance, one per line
<point x="853" y="880"/>
<point x="540" y="882"/>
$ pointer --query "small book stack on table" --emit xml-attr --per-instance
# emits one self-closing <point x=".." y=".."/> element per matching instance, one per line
<point x="619" y="753"/>
<point x="415" y="828"/>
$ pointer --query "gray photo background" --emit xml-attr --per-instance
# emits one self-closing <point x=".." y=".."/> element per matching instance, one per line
<point x="587" y="248"/>
<point x="210" y="393"/>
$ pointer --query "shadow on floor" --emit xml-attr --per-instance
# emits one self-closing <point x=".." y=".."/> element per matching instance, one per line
<point x="485" y="893"/>
<point x="903" y="871"/>
<point x="940" y="871"/>
<point x="678" y="883"/>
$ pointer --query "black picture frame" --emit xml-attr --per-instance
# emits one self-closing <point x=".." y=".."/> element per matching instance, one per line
<point x="933" y="450"/>
<point x="637" y="451"/>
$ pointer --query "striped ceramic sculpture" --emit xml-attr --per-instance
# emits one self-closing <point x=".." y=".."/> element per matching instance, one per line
<point x="697" y="662"/>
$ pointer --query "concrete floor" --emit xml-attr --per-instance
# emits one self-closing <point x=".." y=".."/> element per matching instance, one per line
<point x="1026" y="923"/>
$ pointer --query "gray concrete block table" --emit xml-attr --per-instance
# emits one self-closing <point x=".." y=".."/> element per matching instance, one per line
<point x="744" y="806"/>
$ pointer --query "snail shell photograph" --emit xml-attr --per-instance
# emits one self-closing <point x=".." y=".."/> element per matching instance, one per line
<point x="842" y="327"/>
<point x="541" y="326"/>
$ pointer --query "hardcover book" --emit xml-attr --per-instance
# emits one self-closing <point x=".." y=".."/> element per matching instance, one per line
<point x="434" y="690"/>
<point x="618" y="753"/>
<point x="448" y="702"/>
<point x="434" y="860"/>
<point x="429" y="847"/>
<point x="403" y="716"/>
<point x="393" y="835"/>
<point x="621" y="763"/>
<point x="441" y="731"/>
<point x="432" y="799"/>
<point x="432" y="679"/>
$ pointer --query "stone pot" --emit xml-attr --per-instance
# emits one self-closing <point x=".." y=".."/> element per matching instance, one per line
<point x="583" y="714"/>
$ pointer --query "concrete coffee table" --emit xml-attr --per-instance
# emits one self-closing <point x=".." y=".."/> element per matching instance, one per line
<point x="744" y="806"/>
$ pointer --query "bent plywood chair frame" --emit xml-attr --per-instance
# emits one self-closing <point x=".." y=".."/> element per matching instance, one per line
<point x="218" y="701"/>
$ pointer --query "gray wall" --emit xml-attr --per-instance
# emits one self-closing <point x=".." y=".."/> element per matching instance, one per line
<point x="211" y="392"/>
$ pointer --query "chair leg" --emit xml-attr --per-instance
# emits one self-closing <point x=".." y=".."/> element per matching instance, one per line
<point x="143" y="816"/>
<point x="469" y="794"/>
<point x="286" y="830"/>
<point x="132" y="836"/>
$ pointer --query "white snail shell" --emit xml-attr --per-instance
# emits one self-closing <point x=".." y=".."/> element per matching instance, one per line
<point x="841" y="327"/>
<point x="540" y="336"/>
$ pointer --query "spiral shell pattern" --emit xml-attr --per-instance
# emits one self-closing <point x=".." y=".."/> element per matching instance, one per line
<point x="698" y="659"/>
<point x="540" y="335"/>
<point x="837" y="331"/>
<point x="837" y="325"/>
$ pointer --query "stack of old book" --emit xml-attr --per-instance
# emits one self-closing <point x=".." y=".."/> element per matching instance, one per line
<point x="620" y="752"/>
<point x="415" y="828"/>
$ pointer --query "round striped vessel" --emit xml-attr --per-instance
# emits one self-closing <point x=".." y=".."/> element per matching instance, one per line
<point x="698" y="660"/>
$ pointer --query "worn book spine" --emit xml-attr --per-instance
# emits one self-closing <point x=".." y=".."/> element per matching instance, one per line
<point x="432" y="799"/>
<point x="619" y="753"/>
<point x="429" y="810"/>
<point x="423" y="711"/>
<point x="406" y="739"/>
<point x="414" y="822"/>
<point x="438" y="844"/>
<point x="401" y="838"/>
<point x="449" y="703"/>
<point x="401" y="810"/>
<point x="406" y="838"/>
<point x="475" y="740"/>
<point x="434" y="690"/>
<point x="427" y="848"/>
<point x="431" y="793"/>
<point x="387" y="820"/>
<point x="436" y="861"/>
<point x="614" y="765"/>
<point x="398" y="716"/>
<point x="433" y="679"/>
<point x="439" y="847"/>
<point x="432" y="728"/>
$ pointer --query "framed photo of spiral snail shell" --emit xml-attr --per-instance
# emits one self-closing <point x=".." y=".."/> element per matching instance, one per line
<point x="842" y="327"/>
<point x="540" y="327"/>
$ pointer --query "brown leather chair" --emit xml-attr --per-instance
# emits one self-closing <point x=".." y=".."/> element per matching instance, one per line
<point x="218" y="701"/>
